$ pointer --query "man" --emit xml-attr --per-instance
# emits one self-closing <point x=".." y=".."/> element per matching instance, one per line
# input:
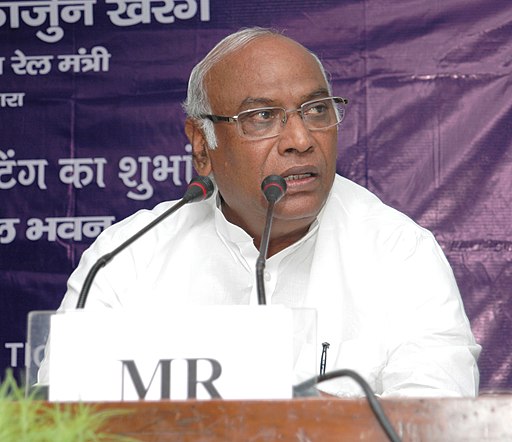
<point x="260" y="104"/>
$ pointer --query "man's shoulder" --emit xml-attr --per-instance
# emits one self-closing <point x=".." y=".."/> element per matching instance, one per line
<point x="357" y="202"/>
<point x="187" y="216"/>
<point x="360" y="213"/>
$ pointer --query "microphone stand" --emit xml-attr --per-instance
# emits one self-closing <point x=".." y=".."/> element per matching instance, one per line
<point x="262" y="258"/>
<point x="199" y="189"/>
<point x="274" y="188"/>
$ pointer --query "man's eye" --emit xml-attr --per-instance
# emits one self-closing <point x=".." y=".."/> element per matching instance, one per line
<point x="316" y="108"/>
<point x="262" y="115"/>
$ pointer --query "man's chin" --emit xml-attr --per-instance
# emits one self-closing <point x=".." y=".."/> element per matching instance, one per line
<point x="297" y="211"/>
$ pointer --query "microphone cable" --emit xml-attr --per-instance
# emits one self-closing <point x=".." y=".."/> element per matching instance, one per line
<point x="375" y="406"/>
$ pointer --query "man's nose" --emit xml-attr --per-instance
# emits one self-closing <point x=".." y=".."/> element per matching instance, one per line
<point x="295" y="136"/>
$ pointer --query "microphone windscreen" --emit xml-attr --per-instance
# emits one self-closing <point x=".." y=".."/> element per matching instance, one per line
<point x="199" y="189"/>
<point x="274" y="188"/>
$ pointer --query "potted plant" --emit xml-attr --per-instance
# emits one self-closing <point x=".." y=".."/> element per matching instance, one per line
<point x="28" y="419"/>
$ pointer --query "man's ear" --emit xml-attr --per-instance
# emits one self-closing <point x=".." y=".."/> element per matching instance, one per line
<point x="200" y="150"/>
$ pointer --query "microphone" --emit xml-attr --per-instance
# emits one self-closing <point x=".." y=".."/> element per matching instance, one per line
<point x="274" y="188"/>
<point x="199" y="189"/>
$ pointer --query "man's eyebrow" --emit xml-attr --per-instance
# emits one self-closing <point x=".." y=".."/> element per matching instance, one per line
<point x="319" y="93"/>
<point x="256" y="101"/>
<point x="251" y="102"/>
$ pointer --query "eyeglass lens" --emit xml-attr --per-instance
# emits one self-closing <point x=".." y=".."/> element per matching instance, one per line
<point x="268" y="122"/>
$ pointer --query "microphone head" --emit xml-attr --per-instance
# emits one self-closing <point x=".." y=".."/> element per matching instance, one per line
<point x="199" y="189"/>
<point x="274" y="188"/>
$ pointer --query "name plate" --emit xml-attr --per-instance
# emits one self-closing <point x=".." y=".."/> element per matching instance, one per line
<point x="196" y="352"/>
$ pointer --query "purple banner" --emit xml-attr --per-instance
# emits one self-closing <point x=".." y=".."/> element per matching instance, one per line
<point x="92" y="130"/>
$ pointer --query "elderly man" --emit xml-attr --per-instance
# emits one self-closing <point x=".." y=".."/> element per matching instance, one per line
<point x="388" y="305"/>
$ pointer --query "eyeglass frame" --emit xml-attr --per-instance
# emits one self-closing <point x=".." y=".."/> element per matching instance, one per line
<point x="235" y="118"/>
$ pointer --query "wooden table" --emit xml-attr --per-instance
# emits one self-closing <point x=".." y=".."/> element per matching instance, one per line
<point x="487" y="418"/>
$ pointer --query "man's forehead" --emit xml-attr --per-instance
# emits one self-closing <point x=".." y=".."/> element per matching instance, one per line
<point x="260" y="73"/>
<point x="264" y="50"/>
<point x="251" y="101"/>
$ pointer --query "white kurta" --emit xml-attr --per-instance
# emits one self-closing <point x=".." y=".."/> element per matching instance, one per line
<point x="386" y="298"/>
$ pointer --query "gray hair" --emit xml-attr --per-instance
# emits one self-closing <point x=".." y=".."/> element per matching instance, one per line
<point x="197" y="103"/>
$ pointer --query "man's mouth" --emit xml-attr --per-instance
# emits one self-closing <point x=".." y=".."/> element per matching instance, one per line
<point x="300" y="176"/>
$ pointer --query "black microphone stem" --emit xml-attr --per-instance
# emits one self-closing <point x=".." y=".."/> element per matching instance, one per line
<point x="105" y="259"/>
<point x="274" y="188"/>
<point x="260" y="262"/>
<point x="199" y="188"/>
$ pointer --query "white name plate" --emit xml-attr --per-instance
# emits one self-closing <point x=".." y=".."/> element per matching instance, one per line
<point x="197" y="352"/>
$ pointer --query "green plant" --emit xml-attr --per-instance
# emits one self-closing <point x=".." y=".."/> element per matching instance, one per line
<point x="26" y="419"/>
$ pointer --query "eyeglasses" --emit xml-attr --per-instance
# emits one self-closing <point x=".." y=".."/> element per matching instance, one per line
<point x="268" y="122"/>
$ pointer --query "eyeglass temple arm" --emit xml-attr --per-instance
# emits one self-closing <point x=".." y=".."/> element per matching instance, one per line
<point x="217" y="118"/>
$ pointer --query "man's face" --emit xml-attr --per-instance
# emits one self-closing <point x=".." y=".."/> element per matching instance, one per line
<point x="272" y="71"/>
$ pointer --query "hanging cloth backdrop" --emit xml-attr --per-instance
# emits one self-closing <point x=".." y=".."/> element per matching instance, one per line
<point x="91" y="130"/>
